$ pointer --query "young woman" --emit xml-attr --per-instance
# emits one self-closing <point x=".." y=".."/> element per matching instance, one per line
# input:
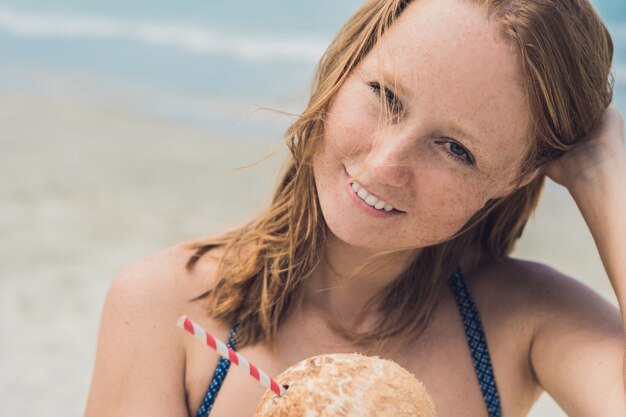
<point x="421" y="155"/>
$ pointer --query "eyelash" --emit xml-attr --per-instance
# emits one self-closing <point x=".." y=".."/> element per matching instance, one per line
<point x="395" y="106"/>
<point x="391" y="100"/>
<point x="467" y="159"/>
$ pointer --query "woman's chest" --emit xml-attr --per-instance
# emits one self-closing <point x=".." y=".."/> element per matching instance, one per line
<point x="441" y="359"/>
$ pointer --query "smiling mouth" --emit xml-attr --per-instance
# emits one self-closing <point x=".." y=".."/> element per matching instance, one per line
<point x="370" y="199"/>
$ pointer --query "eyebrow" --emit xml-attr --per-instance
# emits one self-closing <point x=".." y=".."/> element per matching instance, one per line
<point x="459" y="131"/>
<point x="397" y="84"/>
<point x="394" y="82"/>
<point x="386" y="78"/>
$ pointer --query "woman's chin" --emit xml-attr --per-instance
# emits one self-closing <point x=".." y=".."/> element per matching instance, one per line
<point x="366" y="241"/>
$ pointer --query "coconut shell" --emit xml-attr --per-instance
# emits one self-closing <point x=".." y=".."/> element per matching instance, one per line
<point x="347" y="385"/>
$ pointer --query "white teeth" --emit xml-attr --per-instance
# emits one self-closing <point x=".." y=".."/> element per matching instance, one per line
<point x="370" y="199"/>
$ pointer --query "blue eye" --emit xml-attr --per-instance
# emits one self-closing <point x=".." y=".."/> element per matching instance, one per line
<point x="454" y="150"/>
<point x="391" y="100"/>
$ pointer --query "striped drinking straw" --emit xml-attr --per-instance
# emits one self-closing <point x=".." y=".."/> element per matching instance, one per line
<point x="220" y="347"/>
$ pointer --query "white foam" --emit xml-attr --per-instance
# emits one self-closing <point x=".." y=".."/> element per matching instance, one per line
<point x="189" y="38"/>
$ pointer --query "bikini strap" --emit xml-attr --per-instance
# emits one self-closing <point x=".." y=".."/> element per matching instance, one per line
<point x="477" y="343"/>
<point x="218" y="377"/>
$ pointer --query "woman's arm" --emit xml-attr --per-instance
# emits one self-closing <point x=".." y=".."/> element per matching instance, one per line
<point x="578" y="349"/>
<point x="140" y="361"/>
<point x="595" y="175"/>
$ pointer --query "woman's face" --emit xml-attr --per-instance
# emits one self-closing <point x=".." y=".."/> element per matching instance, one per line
<point x="455" y="137"/>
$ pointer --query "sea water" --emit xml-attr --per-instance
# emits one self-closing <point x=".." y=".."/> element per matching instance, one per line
<point x="201" y="61"/>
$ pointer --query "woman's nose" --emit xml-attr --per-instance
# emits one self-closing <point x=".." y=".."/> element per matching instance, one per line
<point x="396" y="176"/>
<point x="390" y="163"/>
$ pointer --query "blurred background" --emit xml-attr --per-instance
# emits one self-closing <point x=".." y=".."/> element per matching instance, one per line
<point x="122" y="128"/>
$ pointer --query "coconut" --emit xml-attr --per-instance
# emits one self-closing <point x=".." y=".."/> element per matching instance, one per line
<point x="347" y="385"/>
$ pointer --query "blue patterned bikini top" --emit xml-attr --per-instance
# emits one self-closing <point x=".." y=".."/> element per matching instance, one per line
<point x="475" y="340"/>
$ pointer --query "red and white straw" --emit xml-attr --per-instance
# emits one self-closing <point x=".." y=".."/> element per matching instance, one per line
<point x="220" y="347"/>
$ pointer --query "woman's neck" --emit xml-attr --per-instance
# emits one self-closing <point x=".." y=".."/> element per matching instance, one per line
<point x="349" y="276"/>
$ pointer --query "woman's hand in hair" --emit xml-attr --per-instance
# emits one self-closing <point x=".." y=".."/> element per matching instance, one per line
<point x="599" y="156"/>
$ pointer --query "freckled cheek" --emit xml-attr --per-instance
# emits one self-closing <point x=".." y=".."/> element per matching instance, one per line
<point x="445" y="205"/>
<point x="350" y="130"/>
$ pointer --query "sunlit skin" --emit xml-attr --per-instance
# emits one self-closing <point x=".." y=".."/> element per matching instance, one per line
<point x="445" y="72"/>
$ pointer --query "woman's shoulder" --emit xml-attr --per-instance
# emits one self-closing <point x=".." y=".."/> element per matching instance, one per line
<point x="158" y="288"/>
<point x="534" y="291"/>
<point x="141" y="353"/>
<point x="512" y="278"/>
<point x="164" y="276"/>
<point x="555" y="321"/>
<point x="519" y="277"/>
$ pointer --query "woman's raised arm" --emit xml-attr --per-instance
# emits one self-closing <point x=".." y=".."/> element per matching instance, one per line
<point x="578" y="351"/>
<point x="595" y="175"/>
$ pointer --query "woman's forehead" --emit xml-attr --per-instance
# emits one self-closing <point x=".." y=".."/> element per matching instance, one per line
<point x="447" y="60"/>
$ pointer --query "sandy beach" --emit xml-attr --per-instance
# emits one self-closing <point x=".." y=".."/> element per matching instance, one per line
<point x="86" y="188"/>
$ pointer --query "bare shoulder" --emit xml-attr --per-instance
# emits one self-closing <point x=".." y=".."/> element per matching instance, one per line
<point x="567" y="338"/>
<point x="158" y="288"/>
<point x="539" y="291"/>
<point x="141" y="356"/>
<point x="575" y="337"/>
<point x="163" y="276"/>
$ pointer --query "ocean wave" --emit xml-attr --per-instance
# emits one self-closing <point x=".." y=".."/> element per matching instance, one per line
<point x="189" y="38"/>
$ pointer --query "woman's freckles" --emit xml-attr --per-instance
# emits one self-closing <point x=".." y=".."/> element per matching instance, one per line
<point x="438" y="147"/>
